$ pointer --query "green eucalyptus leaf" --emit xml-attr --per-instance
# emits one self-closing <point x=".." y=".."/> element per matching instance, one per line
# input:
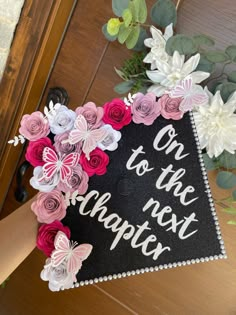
<point x="140" y="43"/>
<point x="183" y="44"/>
<point x="107" y="35"/>
<point x="124" y="33"/>
<point x="216" y="56"/>
<point x="227" y="160"/>
<point x="205" y="65"/>
<point x="139" y="10"/>
<point x="232" y="222"/>
<point x="164" y="13"/>
<point x="120" y="74"/>
<point x="133" y="37"/>
<point x="210" y="164"/>
<point x="234" y="195"/>
<point x="203" y="40"/>
<point x="232" y="76"/>
<point x="226" y="180"/>
<point x="124" y="87"/>
<point x="227" y="89"/>
<point x="118" y="6"/>
<point x="230" y="210"/>
<point x="127" y="17"/>
<point x="231" y="52"/>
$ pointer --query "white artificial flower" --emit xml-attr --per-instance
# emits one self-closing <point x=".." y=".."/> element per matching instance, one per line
<point x="58" y="277"/>
<point x="110" y="143"/>
<point x="158" y="45"/>
<point x="216" y="124"/>
<point x="62" y="121"/>
<point x="43" y="185"/>
<point x="170" y="73"/>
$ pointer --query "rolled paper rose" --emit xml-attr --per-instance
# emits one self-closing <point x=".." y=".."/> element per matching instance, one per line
<point x="47" y="234"/>
<point x="92" y="114"/>
<point x="110" y="143"/>
<point x="57" y="277"/>
<point x="78" y="181"/>
<point x="117" y="114"/>
<point x="49" y="207"/>
<point x="66" y="148"/>
<point x="34" y="126"/>
<point x="43" y="185"/>
<point x="97" y="164"/>
<point x="62" y="121"/>
<point x="34" y="152"/>
<point x="170" y="107"/>
<point x="145" y="109"/>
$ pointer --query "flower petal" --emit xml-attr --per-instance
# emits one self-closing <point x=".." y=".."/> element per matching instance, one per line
<point x="157" y="89"/>
<point x="199" y="76"/>
<point x="168" y="32"/>
<point x="155" y="75"/>
<point x="177" y="60"/>
<point x="148" y="42"/>
<point x="191" y="64"/>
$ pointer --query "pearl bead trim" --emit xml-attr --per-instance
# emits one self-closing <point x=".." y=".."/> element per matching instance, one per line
<point x="181" y="263"/>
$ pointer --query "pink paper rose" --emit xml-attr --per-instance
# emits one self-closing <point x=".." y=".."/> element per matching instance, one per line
<point x="117" y="114"/>
<point x="34" y="152"/>
<point x="34" y="126"/>
<point x="170" y="107"/>
<point x="49" y="206"/>
<point x="97" y="164"/>
<point x="65" y="148"/>
<point x="47" y="234"/>
<point x="78" y="181"/>
<point x="145" y="109"/>
<point x="92" y="114"/>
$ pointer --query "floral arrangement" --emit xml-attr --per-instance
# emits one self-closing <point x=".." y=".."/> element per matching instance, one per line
<point x="171" y="64"/>
<point x="67" y="147"/>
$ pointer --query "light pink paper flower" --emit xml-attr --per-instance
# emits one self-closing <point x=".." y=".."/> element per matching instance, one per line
<point x="49" y="207"/>
<point x="145" y="109"/>
<point x="34" y="126"/>
<point x="92" y="114"/>
<point x="78" y="181"/>
<point x="170" y="107"/>
<point x="66" y="148"/>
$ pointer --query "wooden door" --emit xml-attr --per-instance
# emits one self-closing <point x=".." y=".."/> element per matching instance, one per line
<point x="35" y="46"/>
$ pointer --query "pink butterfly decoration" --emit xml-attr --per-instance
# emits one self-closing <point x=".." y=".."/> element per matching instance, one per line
<point x="54" y="164"/>
<point x="69" y="252"/>
<point x="89" y="137"/>
<point x="192" y="94"/>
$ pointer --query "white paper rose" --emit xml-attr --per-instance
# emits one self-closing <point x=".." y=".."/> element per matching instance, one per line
<point x="110" y="143"/>
<point x="62" y="121"/>
<point x="43" y="185"/>
<point x="58" y="278"/>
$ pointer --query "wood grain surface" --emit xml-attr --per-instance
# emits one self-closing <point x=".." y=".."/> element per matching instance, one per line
<point x="85" y="68"/>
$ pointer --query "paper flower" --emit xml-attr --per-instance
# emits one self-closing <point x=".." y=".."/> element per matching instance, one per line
<point x="58" y="277"/>
<point x="158" y="46"/>
<point x="191" y="94"/>
<point x="170" y="107"/>
<point x="216" y="125"/>
<point x="78" y="181"/>
<point x="97" y="164"/>
<point x="49" y="207"/>
<point x="92" y="114"/>
<point x="145" y="109"/>
<point x="65" y="148"/>
<point x="34" y="126"/>
<point x="116" y="114"/>
<point x="110" y="143"/>
<point x="47" y="234"/>
<point x="62" y="120"/>
<point x="170" y="73"/>
<point x="34" y="152"/>
<point x="43" y="185"/>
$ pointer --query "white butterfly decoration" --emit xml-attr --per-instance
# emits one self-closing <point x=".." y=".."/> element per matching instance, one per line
<point x="192" y="94"/>
<point x="90" y="138"/>
<point x="69" y="251"/>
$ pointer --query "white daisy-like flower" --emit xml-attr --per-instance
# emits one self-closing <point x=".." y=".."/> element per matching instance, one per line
<point x="216" y="124"/>
<point x="158" y="45"/>
<point x="170" y="73"/>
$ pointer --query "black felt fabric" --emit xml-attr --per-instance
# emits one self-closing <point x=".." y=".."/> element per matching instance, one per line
<point x="130" y="193"/>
